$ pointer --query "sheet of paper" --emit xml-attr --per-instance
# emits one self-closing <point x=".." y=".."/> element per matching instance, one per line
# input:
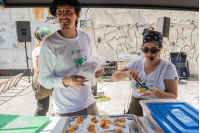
<point x="89" y="68"/>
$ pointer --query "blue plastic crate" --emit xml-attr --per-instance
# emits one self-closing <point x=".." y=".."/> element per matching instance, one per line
<point x="175" y="117"/>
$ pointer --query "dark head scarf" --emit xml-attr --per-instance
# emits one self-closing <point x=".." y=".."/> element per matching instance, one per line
<point x="41" y="31"/>
<point x="152" y="36"/>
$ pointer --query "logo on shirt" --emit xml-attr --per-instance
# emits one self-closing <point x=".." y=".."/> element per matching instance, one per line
<point x="146" y="87"/>
<point x="81" y="60"/>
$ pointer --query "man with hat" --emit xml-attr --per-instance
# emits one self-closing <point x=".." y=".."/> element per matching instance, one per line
<point x="61" y="56"/>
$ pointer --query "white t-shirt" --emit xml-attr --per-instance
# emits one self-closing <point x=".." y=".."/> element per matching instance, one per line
<point x="61" y="57"/>
<point x="165" y="70"/>
<point x="35" y="52"/>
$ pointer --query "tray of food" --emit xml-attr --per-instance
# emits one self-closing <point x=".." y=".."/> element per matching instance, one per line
<point x="125" y="123"/>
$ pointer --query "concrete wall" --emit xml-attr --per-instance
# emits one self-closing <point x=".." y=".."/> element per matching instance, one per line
<point x="119" y="31"/>
<point x="114" y="31"/>
<point x="12" y="53"/>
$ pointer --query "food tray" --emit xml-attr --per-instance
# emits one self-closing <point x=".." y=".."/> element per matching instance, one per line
<point x="134" y="124"/>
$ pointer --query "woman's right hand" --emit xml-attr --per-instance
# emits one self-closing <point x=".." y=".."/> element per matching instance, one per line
<point x="133" y="74"/>
<point x="75" y="81"/>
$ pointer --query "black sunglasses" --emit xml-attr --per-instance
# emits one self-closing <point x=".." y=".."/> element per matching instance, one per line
<point x="153" y="50"/>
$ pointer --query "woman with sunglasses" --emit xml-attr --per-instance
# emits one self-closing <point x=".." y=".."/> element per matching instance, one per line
<point x="160" y="76"/>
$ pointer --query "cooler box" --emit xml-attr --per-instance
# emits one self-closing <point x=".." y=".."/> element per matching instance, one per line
<point x="149" y="120"/>
<point x="175" y="117"/>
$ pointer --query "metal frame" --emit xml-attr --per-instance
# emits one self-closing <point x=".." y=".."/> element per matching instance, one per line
<point x="138" y="4"/>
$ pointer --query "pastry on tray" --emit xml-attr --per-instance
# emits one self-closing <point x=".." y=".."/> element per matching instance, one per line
<point x="122" y="120"/>
<point x="117" y="124"/>
<point x="71" y="129"/>
<point x="105" y="127"/>
<point x="79" y="122"/>
<point x="118" y="131"/>
<point x="75" y="127"/>
<point x="79" y="119"/>
<point x="102" y="124"/>
<point x="122" y="126"/>
<point x="108" y="121"/>
<point x="94" y="119"/>
<point x="91" y="125"/>
<point x="116" y="120"/>
<point x="90" y="129"/>
<point x="103" y="119"/>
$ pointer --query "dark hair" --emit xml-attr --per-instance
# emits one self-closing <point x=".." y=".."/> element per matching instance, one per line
<point x="77" y="11"/>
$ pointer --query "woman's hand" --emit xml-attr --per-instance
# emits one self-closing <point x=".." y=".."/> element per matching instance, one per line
<point x="153" y="91"/>
<point x="133" y="74"/>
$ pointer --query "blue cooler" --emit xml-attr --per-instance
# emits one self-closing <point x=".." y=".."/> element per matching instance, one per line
<point x="175" y="117"/>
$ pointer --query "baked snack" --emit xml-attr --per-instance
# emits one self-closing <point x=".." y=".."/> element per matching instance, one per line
<point x="95" y="120"/>
<point x="108" y="121"/>
<point x="116" y="120"/>
<point x="122" y="120"/>
<point x="91" y="125"/>
<point x="93" y="117"/>
<point x="117" y="130"/>
<point x="143" y="90"/>
<point x="91" y="129"/>
<point x="71" y="129"/>
<point x="103" y="119"/>
<point x="93" y="132"/>
<point x="105" y="127"/>
<point x="79" y="119"/>
<point x="75" y="127"/>
<point x="117" y="124"/>
<point x="102" y="124"/>
<point x="79" y="122"/>
<point x="85" y="132"/>
<point x="122" y="126"/>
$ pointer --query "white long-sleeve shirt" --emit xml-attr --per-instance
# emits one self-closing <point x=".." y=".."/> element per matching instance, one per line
<point x="61" y="57"/>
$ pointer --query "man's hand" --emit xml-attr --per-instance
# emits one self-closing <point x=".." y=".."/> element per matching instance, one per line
<point x="99" y="72"/>
<point x="133" y="74"/>
<point x="75" y="81"/>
